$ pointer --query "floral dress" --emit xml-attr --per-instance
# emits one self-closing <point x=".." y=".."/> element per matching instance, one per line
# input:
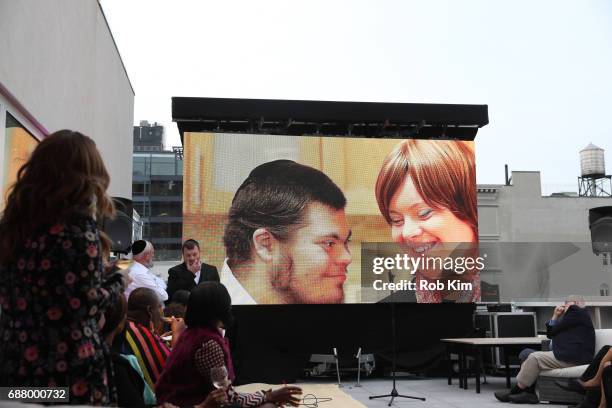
<point x="53" y="296"/>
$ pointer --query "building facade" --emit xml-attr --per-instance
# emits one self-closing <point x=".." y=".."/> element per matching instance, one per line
<point x="539" y="247"/>
<point x="157" y="196"/>
<point x="148" y="137"/>
<point x="60" y="69"/>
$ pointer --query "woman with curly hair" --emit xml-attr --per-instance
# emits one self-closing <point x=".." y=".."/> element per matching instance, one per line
<point x="53" y="286"/>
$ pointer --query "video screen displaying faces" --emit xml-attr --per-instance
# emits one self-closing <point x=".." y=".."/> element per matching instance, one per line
<point x="314" y="219"/>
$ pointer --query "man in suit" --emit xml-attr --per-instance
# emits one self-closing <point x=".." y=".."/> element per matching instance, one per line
<point x="192" y="271"/>
<point x="573" y="343"/>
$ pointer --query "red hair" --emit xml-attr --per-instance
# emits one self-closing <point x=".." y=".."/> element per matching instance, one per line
<point x="443" y="172"/>
<point x="64" y="176"/>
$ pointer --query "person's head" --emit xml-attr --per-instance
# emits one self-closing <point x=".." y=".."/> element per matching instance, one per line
<point x="210" y="305"/>
<point x="426" y="190"/>
<point x="145" y="308"/>
<point x="114" y="319"/>
<point x="191" y="252"/>
<point x="290" y="218"/>
<point x="143" y="253"/>
<point x="64" y="176"/>
<point x="574" y="300"/>
<point x="181" y="296"/>
<point x="175" y="309"/>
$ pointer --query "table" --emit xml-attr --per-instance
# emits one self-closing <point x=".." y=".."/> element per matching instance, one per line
<point x="313" y="395"/>
<point x="473" y="346"/>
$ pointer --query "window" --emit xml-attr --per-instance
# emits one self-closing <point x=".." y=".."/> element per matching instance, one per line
<point x="141" y="208"/>
<point x="166" y="230"/>
<point x="167" y="252"/>
<point x="140" y="166"/>
<point x="179" y="167"/>
<point x="163" y="166"/>
<point x="139" y="188"/>
<point x="156" y="165"/>
<point x="166" y="188"/>
<point x="167" y="209"/>
<point x="146" y="231"/>
<point x="19" y="144"/>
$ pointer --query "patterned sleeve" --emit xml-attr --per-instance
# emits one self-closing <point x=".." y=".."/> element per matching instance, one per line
<point x="74" y="249"/>
<point x="209" y="356"/>
<point x="82" y="261"/>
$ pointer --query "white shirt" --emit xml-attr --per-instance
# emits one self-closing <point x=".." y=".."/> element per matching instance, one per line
<point x="196" y="278"/>
<point x="142" y="278"/>
<point x="236" y="291"/>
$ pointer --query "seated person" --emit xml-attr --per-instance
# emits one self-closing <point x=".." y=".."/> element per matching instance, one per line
<point x="573" y="343"/>
<point x="140" y="272"/>
<point x="141" y="333"/>
<point x="595" y="381"/>
<point x="606" y="384"/>
<point x="128" y="382"/>
<point x="191" y="272"/>
<point x="176" y="308"/>
<point x="178" y="304"/>
<point x="186" y="379"/>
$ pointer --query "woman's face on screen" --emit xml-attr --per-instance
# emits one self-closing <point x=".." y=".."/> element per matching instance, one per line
<point x="416" y="224"/>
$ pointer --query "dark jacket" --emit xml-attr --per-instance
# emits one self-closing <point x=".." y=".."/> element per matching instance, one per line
<point x="179" y="277"/>
<point x="573" y="336"/>
<point x="129" y="383"/>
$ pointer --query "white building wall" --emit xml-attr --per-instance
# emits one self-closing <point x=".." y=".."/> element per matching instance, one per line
<point x="527" y="216"/>
<point x="59" y="61"/>
<point x="539" y="269"/>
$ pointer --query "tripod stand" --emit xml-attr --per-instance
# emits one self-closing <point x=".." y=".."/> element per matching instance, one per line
<point x="394" y="393"/>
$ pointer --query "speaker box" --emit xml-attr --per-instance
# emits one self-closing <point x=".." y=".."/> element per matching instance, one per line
<point x="600" y="223"/>
<point x="119" y="229"/>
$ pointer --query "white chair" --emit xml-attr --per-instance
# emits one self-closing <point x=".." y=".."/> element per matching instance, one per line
<point x="549" y="391"/>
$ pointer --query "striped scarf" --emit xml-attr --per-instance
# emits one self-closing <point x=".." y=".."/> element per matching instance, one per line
<point x="149" y="349"/>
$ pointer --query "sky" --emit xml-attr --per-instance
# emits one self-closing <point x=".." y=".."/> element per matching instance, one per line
<point x="543" y="67"/>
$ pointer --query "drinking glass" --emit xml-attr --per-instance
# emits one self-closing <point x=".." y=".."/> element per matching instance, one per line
<point x="219" y="377"/>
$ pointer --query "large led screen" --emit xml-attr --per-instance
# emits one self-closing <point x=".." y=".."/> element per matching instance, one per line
<point x="314" y="219"/>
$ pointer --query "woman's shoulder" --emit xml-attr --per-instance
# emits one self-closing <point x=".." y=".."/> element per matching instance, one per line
<point x="81" y="221"/>
<point x="77" y="226"/>
<point x="211" y="345"/>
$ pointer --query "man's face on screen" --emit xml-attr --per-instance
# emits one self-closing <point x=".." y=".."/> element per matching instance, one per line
<point x="314" y="262"/>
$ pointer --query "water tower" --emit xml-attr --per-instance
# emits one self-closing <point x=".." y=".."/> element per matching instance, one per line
<point x="593" y="181"/>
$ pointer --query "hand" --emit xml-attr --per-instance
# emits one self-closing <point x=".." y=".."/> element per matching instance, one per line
<point x="285" y="396"/>
<point x="216" y="398"/>
<point x="559" y="310"/>
<point x="177" y="325"/>
<point x="195" y="266"/>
